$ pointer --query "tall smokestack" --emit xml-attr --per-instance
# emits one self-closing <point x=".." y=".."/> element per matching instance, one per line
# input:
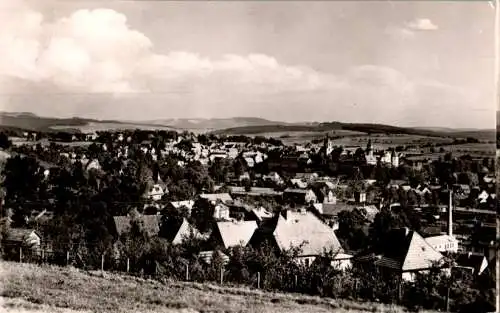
<point x="450" y="214"/>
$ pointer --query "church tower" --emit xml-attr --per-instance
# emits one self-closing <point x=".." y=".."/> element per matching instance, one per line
<point x="327" y="145"/>
<point x="369" y="149"/>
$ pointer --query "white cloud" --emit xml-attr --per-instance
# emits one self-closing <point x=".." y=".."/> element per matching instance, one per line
<point x="96" y="51"/>
<point x="422" y="24"/>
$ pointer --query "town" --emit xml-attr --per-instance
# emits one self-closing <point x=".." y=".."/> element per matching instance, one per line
<point x="360" y="222"/>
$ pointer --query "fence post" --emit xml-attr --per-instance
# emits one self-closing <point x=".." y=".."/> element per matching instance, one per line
<point x="156" y="268"/>
<point x="20" y="254"/>
<point x="102" y="262"/>
<point x="43" y="256"/>
<point x="221" y="275"/>
<point x="67" y="258"/>
<point x="258" y="280"/>
<point x="296" y="281"/>
<point x="187" y="272"/>
<point x="400" y="291"/>
<point x="448" y="299"/>
<point x="128" y="265"/>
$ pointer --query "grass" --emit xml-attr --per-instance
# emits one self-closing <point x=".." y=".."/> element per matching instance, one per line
<point x="31" y="288"/>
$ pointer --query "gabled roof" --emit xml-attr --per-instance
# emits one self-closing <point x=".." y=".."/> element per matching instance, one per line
<point x="19" y="235"/>
<point x="151" y="224"/>
<point x="187" y="203"/>
<point x="236" y="233"/>
<point x="261" y="213"/>
<point x="408" y="250"/>
<point x="224" y="197"/>
<point x="306" y="175"/>
<point x="184" y="231"/>
<point x="207" y="256"/>
<point x="472" y="260"/>
<point x="256" y="191"/>
<point x="298" y="182"/>
<point x="305" y="228"/>
<point x="295" y="190"/>
<point x="440" y="239"/>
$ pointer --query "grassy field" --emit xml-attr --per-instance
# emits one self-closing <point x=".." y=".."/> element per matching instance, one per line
<point x="110" y="126"/>
<point x="380" y="141"/>
<point x="30" y="288"/>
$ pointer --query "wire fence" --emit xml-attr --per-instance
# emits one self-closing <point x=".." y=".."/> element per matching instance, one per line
<point x="216" y="270"/>
<point x="194" y="270"/>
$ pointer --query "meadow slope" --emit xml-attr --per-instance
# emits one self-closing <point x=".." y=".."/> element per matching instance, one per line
<point x="30" y="288"/>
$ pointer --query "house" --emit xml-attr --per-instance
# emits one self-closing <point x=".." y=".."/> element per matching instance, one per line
<point x="443" y="243"/>
<point x="151" y="208"/>
<point x="92" y="165"/>
<point x="396" y="183"/>
<point x="214" y="197"/>
<point x="474" y="263"/>
<point x="370" y="159"/>
<point x="329" y="197"/>
<point x="274" y="177"/>
<point x="299" y="229"/>
<point x="249" y="162"/>
<point x="299" y="196"/>
<point x="254" y="192"/>
<point x="262" y="214"/>
<point x="219" y="155"/>
<point x="179" y="230"/>
<point x="208" y="256"/>
<point x="91" y="136"/>
<point x="185" y="203"/>
<point x="422" y="190"/>
<point x="307" y="177"/>
<point x="233" y="233"/>
<point x="371" y="212"/>
<point x="151" y="224"/>
<point x="330" y="211"/>
<point x="406" y="253"/>
<point x="155" y="192"/>
<point x="22" y="238"/>
<point x="483" y="197"/>
<point x="221" y="211"/>
<point x="299" y="183"/>
<point x="338" y="261"/>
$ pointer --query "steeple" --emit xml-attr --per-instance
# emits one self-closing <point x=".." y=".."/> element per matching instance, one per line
<point x="369" y="150"/>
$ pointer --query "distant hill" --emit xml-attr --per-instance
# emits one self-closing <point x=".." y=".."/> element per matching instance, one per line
<point x="227" y="126"/>
<point x="357" y="127"/>
<point x="213" y="123"/>
<point x="30" y="121"/>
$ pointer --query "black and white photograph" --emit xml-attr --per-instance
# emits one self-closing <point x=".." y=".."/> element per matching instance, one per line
<point x="249" y="156"/>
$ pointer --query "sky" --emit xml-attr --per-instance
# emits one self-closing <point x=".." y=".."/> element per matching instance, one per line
<point x="406" y="63"/>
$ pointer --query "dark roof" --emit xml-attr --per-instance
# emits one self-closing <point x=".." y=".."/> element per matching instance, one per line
<point x="473" y="260"/>
<point x="408" y="249"/>
<point x="207" y="256"/>
<point x="335" y="209"/>
<point x="151" y="224"/>
<point x="19" y="235"/>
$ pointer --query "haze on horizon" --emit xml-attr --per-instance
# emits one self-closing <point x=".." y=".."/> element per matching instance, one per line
<point x="421" y="63"/>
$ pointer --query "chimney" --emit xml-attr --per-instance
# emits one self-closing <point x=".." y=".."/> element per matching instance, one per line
<point x="450" y="215"/>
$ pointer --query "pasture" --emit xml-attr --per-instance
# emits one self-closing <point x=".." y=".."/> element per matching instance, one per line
<point x="30" y="288"/>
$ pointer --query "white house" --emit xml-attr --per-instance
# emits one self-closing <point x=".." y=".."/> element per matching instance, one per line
<point x="443" y="243"/>
<point x="156" y="192"/>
